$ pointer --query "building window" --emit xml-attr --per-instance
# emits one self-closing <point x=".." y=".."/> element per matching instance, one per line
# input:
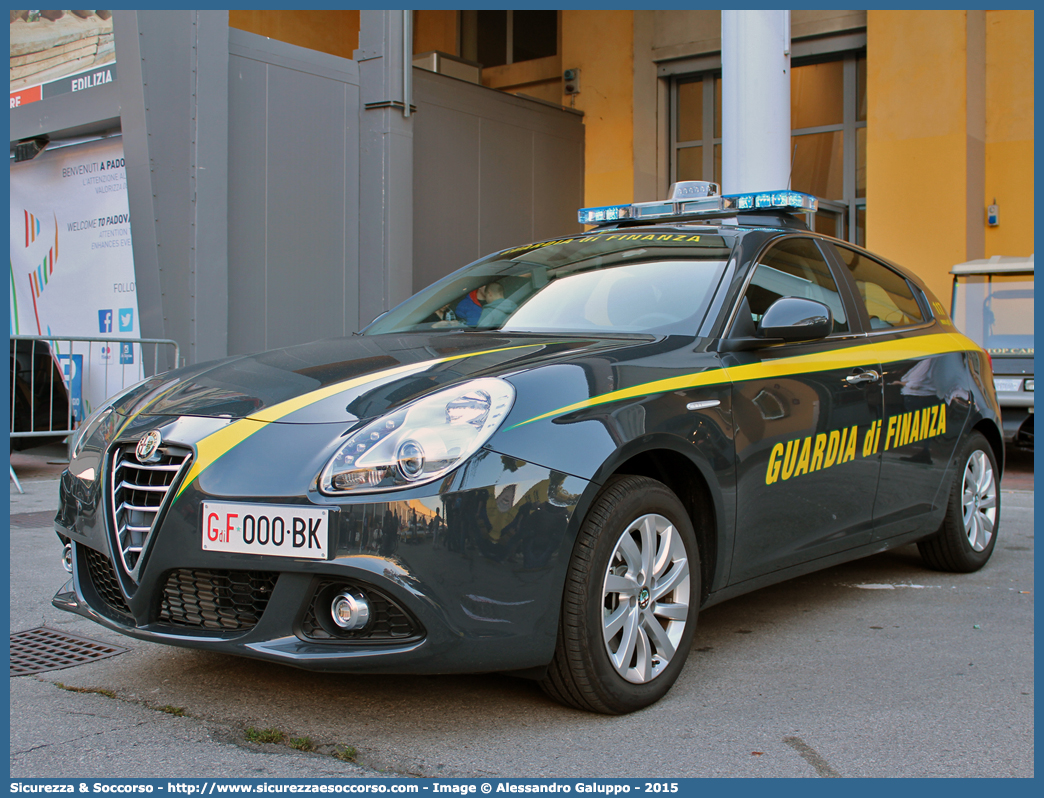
<point x="696" y="128"/>
<point x="828" y="137"/>
<point x="496" y="38"/>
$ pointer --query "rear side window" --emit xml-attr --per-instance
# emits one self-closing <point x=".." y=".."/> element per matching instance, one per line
<point x="888" y="297"/>
<point x="795" y="267"/>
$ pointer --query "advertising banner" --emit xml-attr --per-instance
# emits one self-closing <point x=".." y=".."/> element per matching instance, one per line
<point x="56" y="52"/>
<point x="72" y="268"/>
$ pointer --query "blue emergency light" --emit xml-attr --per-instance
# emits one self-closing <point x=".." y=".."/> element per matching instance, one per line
<point x="700" y="198"/>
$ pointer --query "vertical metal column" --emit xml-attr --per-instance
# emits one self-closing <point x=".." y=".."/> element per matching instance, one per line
<point x="173" y="91"/>
<point x="755" y="85"/>
<point x="385" y="163"/>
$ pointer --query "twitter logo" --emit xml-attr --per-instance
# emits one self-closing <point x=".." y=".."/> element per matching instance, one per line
<point x="126" y="319"/>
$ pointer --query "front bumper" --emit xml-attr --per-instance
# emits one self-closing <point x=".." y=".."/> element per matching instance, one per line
<point x="478" y="590"/>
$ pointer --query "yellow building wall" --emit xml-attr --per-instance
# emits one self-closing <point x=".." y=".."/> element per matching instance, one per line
<point x="333" y="32"/>
<point x="435" y="30"/>
<point x="917" y="142"/>
<point x="540" y="78"/>
<point x="1009" y="131"/>
<point x="601" y="45"/>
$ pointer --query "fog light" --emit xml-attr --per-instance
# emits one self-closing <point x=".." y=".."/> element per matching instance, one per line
<point x="350" y="611"/>
<point x="67" y="557"/>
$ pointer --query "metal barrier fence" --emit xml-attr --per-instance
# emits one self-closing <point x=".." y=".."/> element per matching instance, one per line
<point x="57" y="380"/>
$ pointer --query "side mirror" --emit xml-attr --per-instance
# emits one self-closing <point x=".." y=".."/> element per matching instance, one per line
<point x="788" y="320"/>
<point x="792" y="318"/>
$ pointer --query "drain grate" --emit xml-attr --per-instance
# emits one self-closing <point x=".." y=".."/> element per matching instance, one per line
<point x="44" y="649"/>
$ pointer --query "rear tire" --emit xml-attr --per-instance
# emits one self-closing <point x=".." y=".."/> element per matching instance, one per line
<point x="631" y="600"/>
<point x="968" y="534"/>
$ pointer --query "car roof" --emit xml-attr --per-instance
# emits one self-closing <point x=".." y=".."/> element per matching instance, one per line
<point x="998" y="264"/>
<point x="766" y="221"/>
<point x="773" y="225"/>
<point x="770" y="223"/>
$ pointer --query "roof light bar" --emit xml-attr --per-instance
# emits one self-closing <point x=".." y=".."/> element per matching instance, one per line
<point x="697" y="198"/>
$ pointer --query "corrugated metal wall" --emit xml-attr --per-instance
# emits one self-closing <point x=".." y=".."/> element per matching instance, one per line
<point x="293" y="173"/>
<point x="491" y="170"/>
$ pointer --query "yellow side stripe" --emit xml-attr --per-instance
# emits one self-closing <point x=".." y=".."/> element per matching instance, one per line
<point x="216" y="445"/>
<point x="852" y="357"/>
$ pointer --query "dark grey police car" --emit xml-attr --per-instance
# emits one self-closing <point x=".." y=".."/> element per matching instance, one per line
<point x="547" y="462"/>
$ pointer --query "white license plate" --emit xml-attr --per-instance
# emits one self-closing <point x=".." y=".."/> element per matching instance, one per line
<point x="275" y="530"/>
<point x="1002" y="384"/>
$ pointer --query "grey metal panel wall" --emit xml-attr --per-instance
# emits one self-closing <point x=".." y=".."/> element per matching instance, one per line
<point x="491" y="170"/>
<point x="172" y="91"/>
<point x="386" y="163"/>
<point x="293" y="266"/>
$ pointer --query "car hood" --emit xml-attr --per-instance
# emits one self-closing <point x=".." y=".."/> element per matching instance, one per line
<point x="348" y="379"/>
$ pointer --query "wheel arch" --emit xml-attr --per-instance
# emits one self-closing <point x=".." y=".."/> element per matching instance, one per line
<point x="993" y="436"/>
<point x="667" y="461"/>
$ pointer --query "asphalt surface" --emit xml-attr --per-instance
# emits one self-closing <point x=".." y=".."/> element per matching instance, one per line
<point x="875" y="668"/>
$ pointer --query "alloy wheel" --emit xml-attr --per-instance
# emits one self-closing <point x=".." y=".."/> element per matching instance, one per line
<point x="979" y="500"/>
<point x="646" y="594"/>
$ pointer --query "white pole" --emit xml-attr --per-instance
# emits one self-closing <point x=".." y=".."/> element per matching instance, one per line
<point x="755" y="102"/>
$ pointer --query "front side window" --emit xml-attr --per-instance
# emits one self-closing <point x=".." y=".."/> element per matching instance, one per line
<point x="889" y="300"/>
<point x="656" y="281"/>
<point x="795" y="267"/>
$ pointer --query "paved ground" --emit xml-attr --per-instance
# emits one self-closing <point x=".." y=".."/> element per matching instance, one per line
<point x="875" y="668"/>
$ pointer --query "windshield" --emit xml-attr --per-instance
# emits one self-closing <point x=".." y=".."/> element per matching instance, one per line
<point x="996" y="311"/>
<point x="655" y="281"/>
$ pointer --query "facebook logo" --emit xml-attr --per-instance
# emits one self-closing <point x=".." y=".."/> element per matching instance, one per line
<point x="105" y="321"/>
<point x="126" y="354"/>
<point x="126" y="319"/>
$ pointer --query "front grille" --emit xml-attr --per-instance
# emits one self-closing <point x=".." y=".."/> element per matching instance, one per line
<point x="388" y="621"/>
<point x="219" y="600"/>
<point x="139" y="492"/>
<point x="107" y="586"/>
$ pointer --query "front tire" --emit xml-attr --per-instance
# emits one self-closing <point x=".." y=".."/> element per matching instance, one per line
<point x="968" y="534"/>
<point x="631" y="600"/>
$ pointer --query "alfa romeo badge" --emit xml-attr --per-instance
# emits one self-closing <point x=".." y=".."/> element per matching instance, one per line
<point x="148" y="445"/>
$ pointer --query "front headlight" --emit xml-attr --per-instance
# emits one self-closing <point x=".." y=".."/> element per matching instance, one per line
<point x="91" y="424"/>
<point x="420" y="442"/>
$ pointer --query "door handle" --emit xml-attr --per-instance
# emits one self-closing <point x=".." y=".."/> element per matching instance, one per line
<point x="864" y="376"/>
